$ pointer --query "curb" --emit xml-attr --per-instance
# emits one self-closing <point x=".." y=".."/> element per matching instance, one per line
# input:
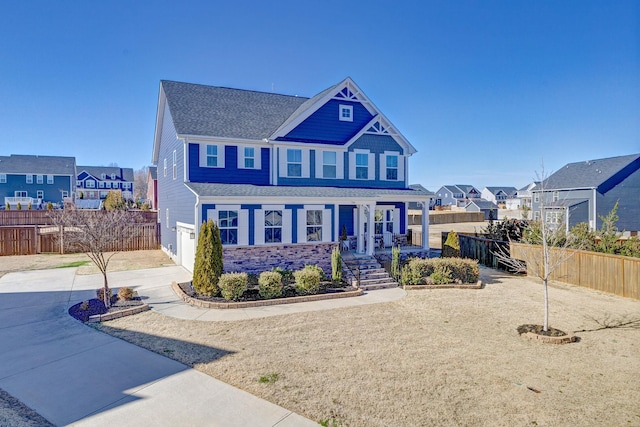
<point x="117" y="314"/>
<point x="451" y="286"/>
<point x="249" y="304"/>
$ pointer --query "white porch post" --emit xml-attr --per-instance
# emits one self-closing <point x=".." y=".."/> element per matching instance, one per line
<point x="360" y="232"/>
<point x="425" y="225"/>
<point x="371" y="229"/>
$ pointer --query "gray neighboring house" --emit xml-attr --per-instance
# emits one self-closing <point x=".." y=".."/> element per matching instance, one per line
<point x="584" y="191"/>
<point x="35" y="180"/>
<point x="480" y="205"/>
<point x="524" y="194"/>
<point x="502" y="195"/>
<point x="456" y="195"/>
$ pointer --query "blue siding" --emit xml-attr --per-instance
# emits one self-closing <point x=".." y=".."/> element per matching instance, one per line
<point x="324" y="125"/>
<point x="230" y="174"/>
<point x="172" y="193"/>
<point x="376" y="143"/>
<point x="51" y="192"/>
<point x="345" y="218"/>
<point x="294" y="221"/>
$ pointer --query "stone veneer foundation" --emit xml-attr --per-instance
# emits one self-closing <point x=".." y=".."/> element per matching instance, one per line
<point x="256" y="259"/>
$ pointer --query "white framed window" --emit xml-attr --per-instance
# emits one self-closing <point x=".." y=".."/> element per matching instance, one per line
<point x="103" y="194"/>
<point x="89" y="183"/>
<point x="103" y="176"/>
<point x="273" y="226"/>
<point x="362" y="166"/>
<point x="107" y="185"/>
<point x="100" y="184"/>
<point x="228" y="225"/>
<point x="113" y="175"/>
<point x="294" y="162"/>
<point x="29" y="179"/>
<point x="384" y="220"/>
<point x="314" y="225"/>
<point x="249" y="157"/>
<point x="3" y="178"/>
<point x="39" y="179"/>
<point x="40" y="194"/>
<point x="20" y="194"/>
<point x="165" y="167"/>
<point x="553" y="217"/>
<point x="391" y="167"/>
<point x="345" y="113"/>
<point x="556" y="196"/>
<point x="49" y="179"/>
<point x="175" y="164"/>
<point x="536" y="197"/>
<point x="329" y="164"/>
<point x="65" y="194"/>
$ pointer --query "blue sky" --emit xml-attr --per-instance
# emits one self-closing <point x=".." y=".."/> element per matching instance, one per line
<point x="485" y="90"/>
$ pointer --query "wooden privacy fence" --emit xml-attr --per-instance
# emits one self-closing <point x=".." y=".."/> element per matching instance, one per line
<point x="453" y="217"/>
<point x="43" y="217"/>
<point x="481" y="249"/>
<point x="614" y="274"/>
<point x="30" y="240"/>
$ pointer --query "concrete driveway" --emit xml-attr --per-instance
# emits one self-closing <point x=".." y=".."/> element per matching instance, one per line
<point x="73" y="375"/>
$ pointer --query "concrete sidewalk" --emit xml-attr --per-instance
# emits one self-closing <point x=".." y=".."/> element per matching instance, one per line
<point x="74" y="375"/>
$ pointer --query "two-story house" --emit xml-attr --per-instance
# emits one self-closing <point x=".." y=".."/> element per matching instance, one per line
<point x="585" y="191"/>
<point x="95" y="182"/>
<point x="456" y="195"/>
<point x="281" y="175"/>
<point x="507" y="197"/>
<point x="36" y="180"/>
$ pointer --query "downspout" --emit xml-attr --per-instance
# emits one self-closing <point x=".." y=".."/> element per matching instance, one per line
<point x="595" y="215"/>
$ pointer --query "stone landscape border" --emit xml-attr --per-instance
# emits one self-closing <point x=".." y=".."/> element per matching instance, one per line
<point x="545" y="339"/>
<point x="248" y="304"/>
<point x="117" y="314"/>
<point x="449" y="286"/>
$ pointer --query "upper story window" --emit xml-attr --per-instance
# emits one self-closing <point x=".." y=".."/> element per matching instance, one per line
<point x="39" y="179"/>
<point x="273" y="226"/>
<point x="346" y="113"/>
<point x="103" y="176"/>
<point x="329" y="164"/>
<point x="294" y="162"/>
<point x="29" y="179"/>
<point x="212" y="155"/>
<point x="49" y="179"/>
<point x="228" y="225"/>
<point x="113" y="175"/>
<point x="556" y="196"/>
<point x="249" y="157"/>
<point x="362" y="166"/>
<point x="392" y="168"/>
<point x="536" y="197"/>
<point x="3" y="178"/>
<point x="175" y="164"/>
<point x="90" y="184"/>
<point x="101" y="184"/>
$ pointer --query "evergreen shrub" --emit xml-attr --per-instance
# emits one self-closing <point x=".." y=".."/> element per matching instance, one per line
<point x="270" y="284"/>
<point x="308" y="279"/>
<point x="232" y="285"/>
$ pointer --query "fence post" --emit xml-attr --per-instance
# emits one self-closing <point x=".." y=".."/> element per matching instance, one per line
<point x="61" y="239"/>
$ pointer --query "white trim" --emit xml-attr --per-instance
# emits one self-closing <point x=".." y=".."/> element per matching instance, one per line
<point x="305" y="162"/>
<point x="320" y="164"/>
<point x="345" y="107"/>
<point x="406" y="146"/>
<point x="257" y="154"/>
<point x="202" y="149"/>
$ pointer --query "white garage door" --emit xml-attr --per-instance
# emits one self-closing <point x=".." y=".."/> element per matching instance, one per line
<point x="186" y="247"/>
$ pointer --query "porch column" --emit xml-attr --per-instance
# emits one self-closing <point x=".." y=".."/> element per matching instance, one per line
<point x="371" y="229"/>
<point x="425" y="225"/>
<point x="360" y="231"/>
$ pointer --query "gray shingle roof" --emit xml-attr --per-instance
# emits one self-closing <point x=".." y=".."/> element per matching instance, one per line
<point x="483" y="204"/>
<point x="589" y="174"/>
<point x="125" y="174"/>
<point x="247" y="190"/>
<point x="39" y="165"/>
<point x="153" y="172"/>
<point x="510" y="191"/>
<point x="225" y="112"/>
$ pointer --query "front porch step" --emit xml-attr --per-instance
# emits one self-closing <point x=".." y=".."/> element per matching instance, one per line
<point x="372" y="275"/>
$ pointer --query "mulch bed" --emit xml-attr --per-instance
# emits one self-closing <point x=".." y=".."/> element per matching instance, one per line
<point x="537" y="329"/>
<point x="96" y="307"/>
<point x="252" y="293"/>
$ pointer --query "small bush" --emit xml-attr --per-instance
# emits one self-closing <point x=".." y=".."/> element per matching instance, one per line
<point x="100" y="294"/>
<point x="287" y="275"/>
<point x="125" y="294"/>
<point x="270" y="284"/>
<point x="232" y="285"/>
<point x="84" y="306"/>
<point x="451" y="246"/>
<point x="308" y="279"/>
<point x="336" y="265"/>
<point x="418" y="270"/>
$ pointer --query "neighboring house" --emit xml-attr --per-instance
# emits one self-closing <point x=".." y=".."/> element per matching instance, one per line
<point x="95" y="182"/>
<point x="490" y="209"/>
<point x="152" y="187"/>
<point x="456" y="195"/>
<point x="36" y="180"/>
<point x="524" y="194"/>
<point x="506" y="196"/>
<point x="584" y="191"/>
<point x="281" y="175"/>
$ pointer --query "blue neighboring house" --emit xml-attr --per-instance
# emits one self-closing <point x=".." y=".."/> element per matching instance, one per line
<point x="585" y="191"/>
<point x="36" y="180"/>
<point x="281" y="175"/>
<point x="95" y="182"/>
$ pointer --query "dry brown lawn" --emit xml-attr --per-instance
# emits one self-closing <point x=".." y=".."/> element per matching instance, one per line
<point x="437" y="357"/>
<point x="121" y="261"/>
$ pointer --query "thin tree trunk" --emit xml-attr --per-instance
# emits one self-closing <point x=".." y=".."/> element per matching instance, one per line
<point x="107" y="300"/>
<point x="545" y="327"/>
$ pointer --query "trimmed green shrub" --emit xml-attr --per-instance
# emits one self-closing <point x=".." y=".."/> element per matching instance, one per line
<point x="232" y="285"/>
<point x="19" y="206"/>
<point x="308" y="279"/>
<point x="287" y="275"/>
<point x="451" y="248"/>
<point x="125" y="294"/>
<point x="336" y="265"/>
<point x="270" y="284"/>
<point x="208" y="264"/>
<point x="49" y="206"/>
<point x="395" y="262"/>
<point x="418" y="271"/>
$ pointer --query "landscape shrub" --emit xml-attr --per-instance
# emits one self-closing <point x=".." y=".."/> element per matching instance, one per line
<point x="287" y="275"/>
<point x="125" y="294"/>
<point x="418" y="271"/>
<point x="209" y="262"/>
<point x="395" y="262"/>
<point x="100" y="294"/>
<point x="270" y="284"/>
<point x="308" y="279"/>
<point x="232" y="285"/>
<point x="451" y="248"/>
<point x="336" y="265"/>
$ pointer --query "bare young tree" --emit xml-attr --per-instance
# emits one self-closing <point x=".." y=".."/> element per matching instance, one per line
<point x="100" y="234"/>
<point x="550" y="245"/>
<point x="140" y="183"/>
